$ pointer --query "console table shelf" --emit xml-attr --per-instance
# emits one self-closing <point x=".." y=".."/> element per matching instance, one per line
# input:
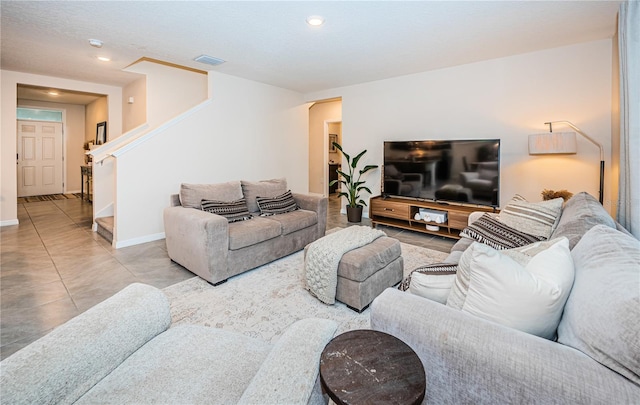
<point x="400" y="213"/>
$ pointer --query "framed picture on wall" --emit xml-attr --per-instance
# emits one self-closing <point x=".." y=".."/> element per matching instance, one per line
<point x="101" y="133"/>
<point x="332" y="138"/>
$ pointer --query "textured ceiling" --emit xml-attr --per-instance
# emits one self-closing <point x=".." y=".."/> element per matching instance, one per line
<point x="270" y="42"/>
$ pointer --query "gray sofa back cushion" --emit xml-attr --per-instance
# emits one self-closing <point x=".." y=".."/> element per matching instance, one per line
<point x="191" y="195"/>
<point x="266" y="188"/>
<point x="602" y="315"/>
<point x="61" y="366"/>
<point x="581" y="213"/>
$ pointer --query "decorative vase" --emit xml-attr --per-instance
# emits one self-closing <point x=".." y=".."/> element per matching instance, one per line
<point x="354" y="214"/>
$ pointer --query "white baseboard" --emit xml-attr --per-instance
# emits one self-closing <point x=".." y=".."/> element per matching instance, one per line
<point x="9" y="222"/>
<point x="139" y="240"/>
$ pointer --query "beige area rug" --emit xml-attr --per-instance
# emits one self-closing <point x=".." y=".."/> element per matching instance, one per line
<point x="263" y="302"/>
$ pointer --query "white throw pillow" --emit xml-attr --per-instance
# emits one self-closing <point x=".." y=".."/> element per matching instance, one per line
<point x="435" y="287"/>
<point x="528" y="298"/>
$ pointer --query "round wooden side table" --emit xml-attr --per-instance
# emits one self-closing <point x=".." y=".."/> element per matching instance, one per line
<point x="367" y="366"/>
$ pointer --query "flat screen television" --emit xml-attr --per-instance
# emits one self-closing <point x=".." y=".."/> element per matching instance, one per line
<point x="461" y="171"/>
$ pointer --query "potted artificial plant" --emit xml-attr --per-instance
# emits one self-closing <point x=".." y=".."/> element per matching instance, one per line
<point x="353" y="185"/>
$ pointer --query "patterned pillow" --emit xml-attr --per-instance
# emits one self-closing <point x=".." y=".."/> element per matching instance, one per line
<point x="536" y="218"/>
<point x="432" y="281"/>
<point x="232" y="210"/>
<point x="435" y="269"/>
<point x="498" y="235"/>
<point x="276" y="205"/>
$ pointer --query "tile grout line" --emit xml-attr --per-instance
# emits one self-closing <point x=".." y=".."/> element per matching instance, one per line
<point x="49" y="253"/>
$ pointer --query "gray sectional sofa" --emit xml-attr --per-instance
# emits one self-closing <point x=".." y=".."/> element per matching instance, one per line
<point x="215" y="249"/>
<point x="123" y="351"/>
<point x="595" y="358"/>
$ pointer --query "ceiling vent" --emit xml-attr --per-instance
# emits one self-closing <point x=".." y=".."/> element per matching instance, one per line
<point x="209" y="60"/>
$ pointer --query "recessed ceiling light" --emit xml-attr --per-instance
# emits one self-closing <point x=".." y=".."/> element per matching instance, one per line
<point x="315" y="20"/>
<point x="96" y="43"/>
<point x="104" y="58"/>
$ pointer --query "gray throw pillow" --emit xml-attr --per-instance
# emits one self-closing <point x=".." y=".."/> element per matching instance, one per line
<point x="191" y="195"/>
<point x="266" y="188"/>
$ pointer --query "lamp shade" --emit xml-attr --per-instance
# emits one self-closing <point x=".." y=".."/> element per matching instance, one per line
<point x="551" y="143"/>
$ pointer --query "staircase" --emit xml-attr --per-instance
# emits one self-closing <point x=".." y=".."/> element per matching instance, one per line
<point x="105" y="228"/>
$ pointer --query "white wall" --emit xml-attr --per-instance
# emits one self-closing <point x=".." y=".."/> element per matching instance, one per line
<point x="134" y="114"/>
<point x="8" y="103"/>
<point x="507" y="98"/>
<point x="169" y="90"/>
<point x="249" y="131"/>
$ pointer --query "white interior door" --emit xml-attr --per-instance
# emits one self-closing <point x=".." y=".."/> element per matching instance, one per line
<point x="39" y="158"/>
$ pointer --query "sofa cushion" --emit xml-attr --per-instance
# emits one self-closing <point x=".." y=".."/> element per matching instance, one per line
<point x="602" y="315"/>
<point x="277" y="205"/>
<point x="529" y="298"/>
<point x="581" y="213"/>
<point x="191" y="195"/>
<point x="233" y="210"/>
<point x="188" y="364"/>
<point x="534" y="218"/>
<point x="496" y="234"/>
<point x="295" y="220"/>
<point x="248" y="233"/>
<point x="264" y="188"/>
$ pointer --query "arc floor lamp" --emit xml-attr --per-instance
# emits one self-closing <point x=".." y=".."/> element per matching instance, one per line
<point x="563" y="143"/>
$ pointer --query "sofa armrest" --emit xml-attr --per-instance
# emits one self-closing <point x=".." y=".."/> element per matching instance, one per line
<point x="199" y="241"/>
<point x="470" y="360"/>
<point x="289" y="373"/>
<point x="174" y="200"/>
<point x="317" y="204"/>
<point x="466" y="177"/>
<point x="63" y="365"/>
<point x="413" y="177"/>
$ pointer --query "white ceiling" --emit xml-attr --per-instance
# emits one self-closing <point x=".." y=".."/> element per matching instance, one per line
<point x="269" y="41"/>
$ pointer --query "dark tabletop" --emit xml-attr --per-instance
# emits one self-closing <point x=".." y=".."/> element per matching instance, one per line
<point x="366" y="366"/>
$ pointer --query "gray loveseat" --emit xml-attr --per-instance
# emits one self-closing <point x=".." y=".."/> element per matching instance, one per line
<point x="122" y="351"/>
<point x="215" y="249"/>
<point x="596" y="358"/>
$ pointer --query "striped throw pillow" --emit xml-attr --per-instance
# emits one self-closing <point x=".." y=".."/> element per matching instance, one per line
<point x="276" y="205"/>
<point x="497" y="234"/>
<point x="434" y="269"/>
<point x="535" y="218"/>
<point x="232" y="210"/>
